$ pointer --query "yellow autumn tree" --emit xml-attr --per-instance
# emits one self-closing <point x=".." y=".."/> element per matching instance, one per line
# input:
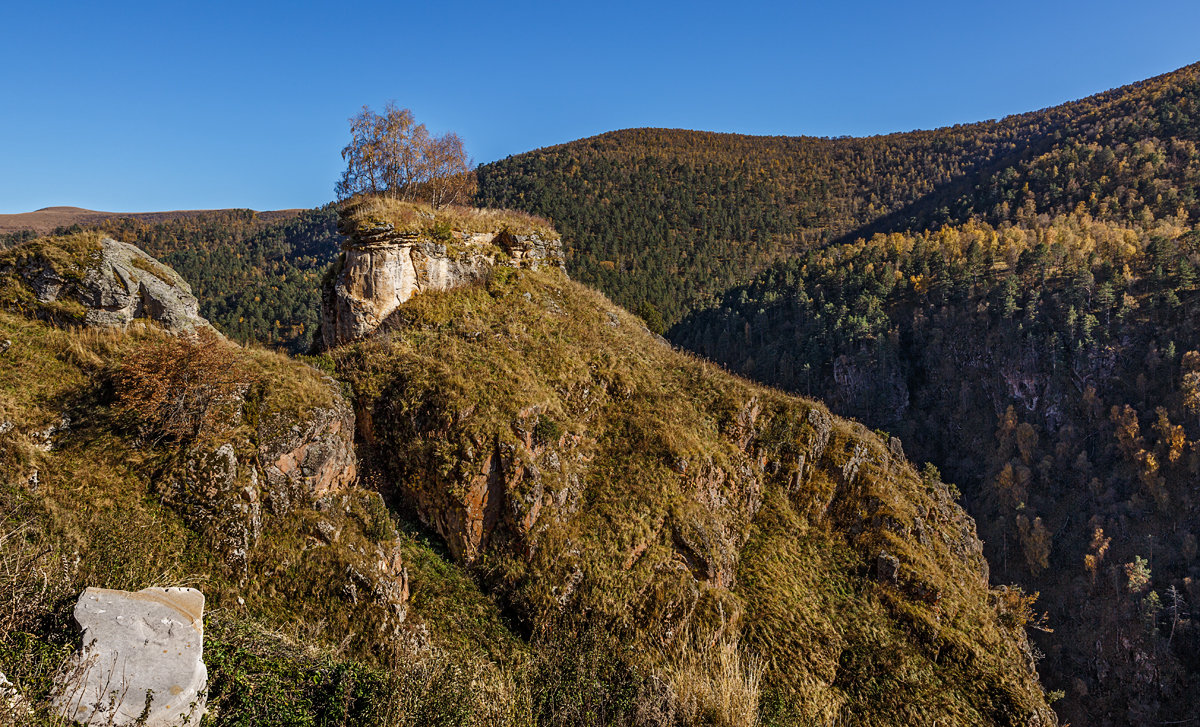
<point x="1097" y="549"/>
<point x="391" y="154"/>
<point x="1035" y="543"/>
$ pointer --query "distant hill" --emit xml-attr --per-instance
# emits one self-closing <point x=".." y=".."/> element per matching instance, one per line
<point x="48" y="219"/>
<point x="672" y="218"/>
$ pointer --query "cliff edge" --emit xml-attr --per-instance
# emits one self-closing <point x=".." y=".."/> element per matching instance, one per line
<point x="394" y="250"/>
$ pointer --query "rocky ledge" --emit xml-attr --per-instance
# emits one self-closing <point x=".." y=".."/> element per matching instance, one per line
<point x="384" y="265"/>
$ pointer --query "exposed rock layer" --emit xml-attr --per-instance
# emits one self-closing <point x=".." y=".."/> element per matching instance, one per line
<point x="382" y="268"/>
<point x="222" y="486"/>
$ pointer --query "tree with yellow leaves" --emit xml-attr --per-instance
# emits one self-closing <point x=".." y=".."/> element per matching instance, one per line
<point x="393" y="155"/>
<point x="1035" y="543"/>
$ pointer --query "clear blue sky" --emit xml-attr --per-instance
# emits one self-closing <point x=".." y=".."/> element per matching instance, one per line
<point x="146" y="106"/>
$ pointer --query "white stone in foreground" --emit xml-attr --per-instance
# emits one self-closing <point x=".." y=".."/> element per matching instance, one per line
<point x="138" y="648"/>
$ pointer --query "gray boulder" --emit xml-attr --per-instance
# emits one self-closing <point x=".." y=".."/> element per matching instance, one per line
<point x="141" y="659"/>
<point x="126" y="283"/>
<point x="114" y="284"/>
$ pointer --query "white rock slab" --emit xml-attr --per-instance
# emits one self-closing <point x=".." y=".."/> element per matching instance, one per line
<point x="141" y="657"/>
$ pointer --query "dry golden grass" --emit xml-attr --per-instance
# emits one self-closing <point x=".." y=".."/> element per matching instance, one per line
<point x="417" y="218"/>
<point x="715" y="684"/>
<point x="533" y="351"/>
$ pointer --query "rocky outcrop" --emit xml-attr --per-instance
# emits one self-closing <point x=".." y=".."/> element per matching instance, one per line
<point x="306" y="460"/>
<point x="221" y="489"/>
<point x="294" y="469"/>
<point x="141" y="661"/>
<point x="382" y="268"/>
<point x="517" y="481"/>
<point x="115" y="285"/>
<point x="594" y="473"/>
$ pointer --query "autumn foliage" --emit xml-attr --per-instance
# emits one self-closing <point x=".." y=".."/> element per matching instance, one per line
<point x="391" y="154"/>
<point x="177" y="387"/>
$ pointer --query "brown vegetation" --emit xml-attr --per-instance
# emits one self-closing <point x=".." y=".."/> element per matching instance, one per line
<point x="177" y="387"/>
<point x="367" y="211"/>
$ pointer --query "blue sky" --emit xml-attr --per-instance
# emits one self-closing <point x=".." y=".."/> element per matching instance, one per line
<point x="147" y="106"/>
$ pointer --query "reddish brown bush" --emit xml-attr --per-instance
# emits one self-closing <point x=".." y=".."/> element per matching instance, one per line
<point x="176" y="388"/>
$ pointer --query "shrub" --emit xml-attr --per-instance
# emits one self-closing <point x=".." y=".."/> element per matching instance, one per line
<point x="547" y="431"/>
<point x="176" y="388"/>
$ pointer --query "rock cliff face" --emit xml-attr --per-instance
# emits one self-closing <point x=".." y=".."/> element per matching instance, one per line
<point x="382" y="267"/>
<point x="222" y="486"/>
<point x="235" y="486"/>
<point x="102" y="282"/>
<point x="593" y="473"/>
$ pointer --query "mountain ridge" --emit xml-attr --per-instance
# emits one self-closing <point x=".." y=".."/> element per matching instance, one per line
<point x="1018" y="306"/>
<point x="647" y="206"/>
<point x="47" y="219"/>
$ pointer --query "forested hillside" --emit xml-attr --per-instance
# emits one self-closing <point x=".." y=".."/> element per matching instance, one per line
<point x="1052" y="370"/>
<point x="672" y="218"/>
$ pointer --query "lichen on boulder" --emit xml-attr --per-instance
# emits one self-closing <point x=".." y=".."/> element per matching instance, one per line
<point x="90" y="280"/>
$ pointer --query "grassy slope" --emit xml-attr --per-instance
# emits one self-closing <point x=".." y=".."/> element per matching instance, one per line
<point x="637" y="448"/>
<point x="80" y="505"/>
<point x="94" y="518"/>
<point x="369" y="211"/>
<point x="708" y="570"/>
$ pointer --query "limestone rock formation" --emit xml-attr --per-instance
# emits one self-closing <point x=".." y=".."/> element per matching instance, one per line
<point x="141" y="659"/>
<point x="383" y="267"/>
<point x="116" y="284"/>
